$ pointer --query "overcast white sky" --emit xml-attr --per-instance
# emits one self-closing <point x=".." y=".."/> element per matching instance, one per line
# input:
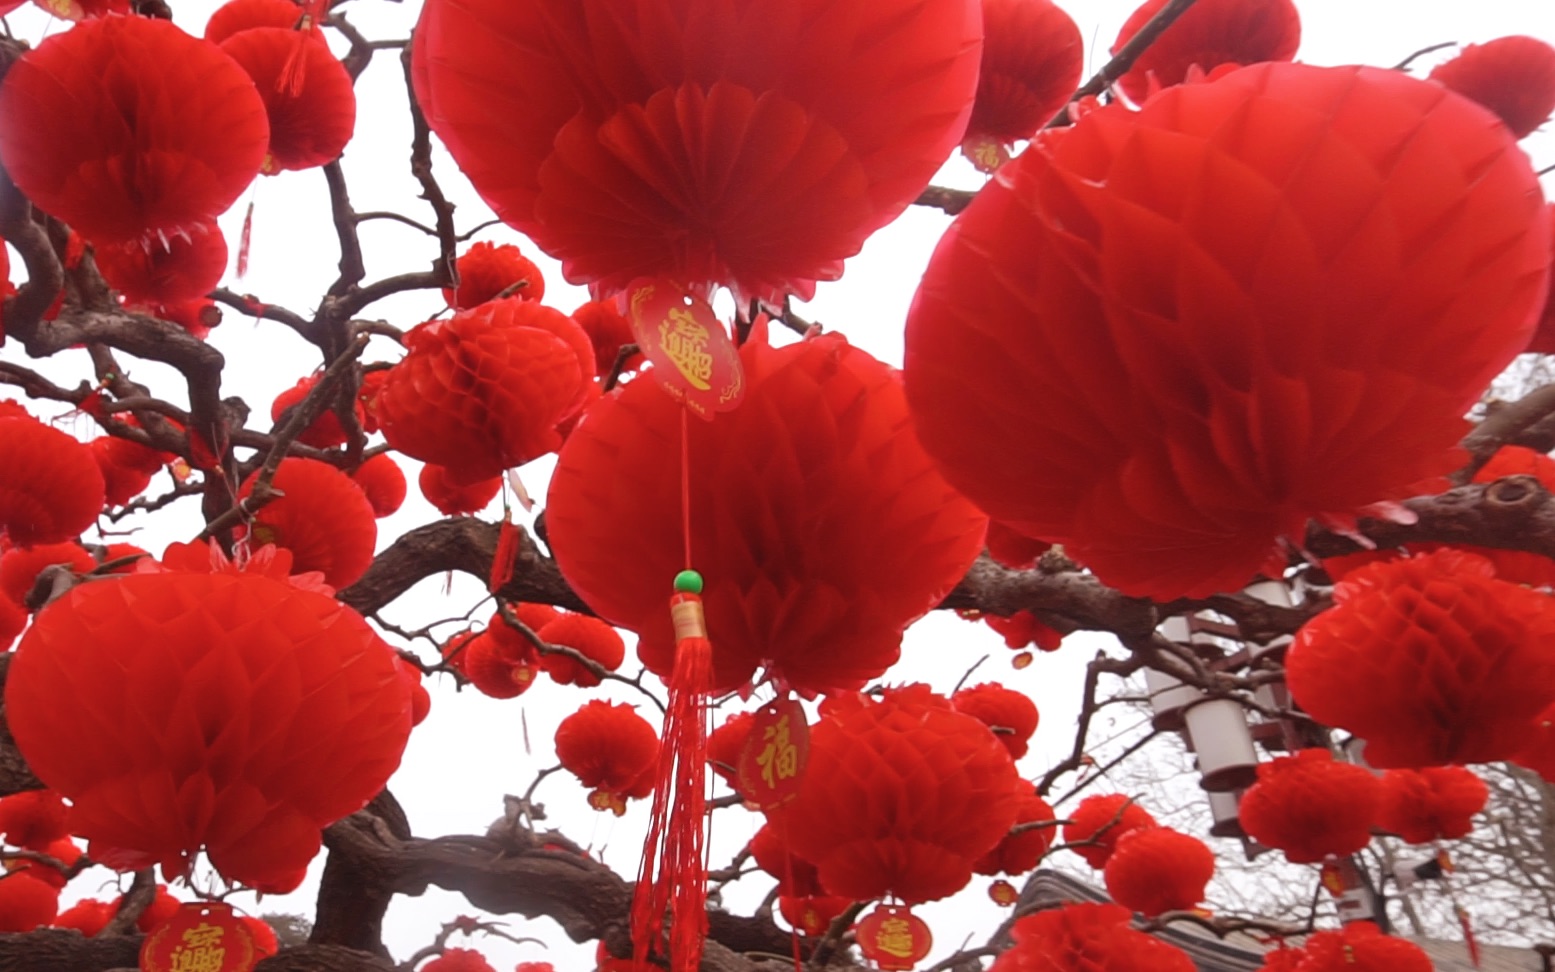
<point x="473" y="749"/>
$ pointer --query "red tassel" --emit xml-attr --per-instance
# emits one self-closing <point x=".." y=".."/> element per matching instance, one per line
<point x="507" y="550"/>
<point x="295" y="69"/>
<point x="673" y="878"/>
<point x="244" y="239"/>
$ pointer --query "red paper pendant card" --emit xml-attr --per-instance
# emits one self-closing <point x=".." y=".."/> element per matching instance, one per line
<point x="200" y="937"/>
<point x="773" y="761"/>
<point x="693" y="358"/>
<point x="894" y="938"/>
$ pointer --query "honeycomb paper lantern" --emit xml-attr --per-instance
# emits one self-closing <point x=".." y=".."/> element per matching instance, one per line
<point x="1156" y="869"/>
<point x="750" y="144"/>
<point x="501" y="662"/>
<point x="237" y="15"/>
<point x="1087" y="938"/>
<point x="818" y="522"/>
<point x="311" y="121"/>
<point x="726" y="743"/>
<point x="1032" y="58"/>
<point x="1538" y="751"/>
<point x="796" y="876"/>
<point x="1155" y="337"/>
<point x="900" y="797"/>
<point x="128" y="128"/>
<point x="1099" y="822"/>
<point x="1449" y="663"/>
<point x="63" y="850"/>
<point x="33" y="819"/>
<point x="485" y="389"/>
<point x="1022" y="852"/>
<point x="1211" y="33"/>
<point x="88" y="916"/>
<point x="326" y="430"/>
<point x="20" y="567"/>
<point x="1310" y="806"/>
<point x="1436" y="803"/>
<point x="452" y="498"/>
<point x="120" y="483"/>
<point x="321" y="516"/>
<point x="26" y="902"/>
<point x="591" y="638"/>
<point x="165" y="270"/>
<point x="611" y="750"/>
<point x="1361" y="947"/>
<point x="1514" y="77"/>
<point x="459" y="960"/>
<point x="50" y="486"/>
<point x="195" y="704"/>
<point x="383" y="483"/>
<point x="488" y="271"/>
<point x="1011" y="715"/>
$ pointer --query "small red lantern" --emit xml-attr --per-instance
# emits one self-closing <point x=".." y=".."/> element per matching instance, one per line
<point x="1099" y="821"/>
<point x="812" y="915"/>
<point x="26" y="902"/>
<point x="724" y="745"/>
<point x="1019" y="853"/>
<point x="893" y="938"/>
<point x="127" y="127"/>
<point x="20" y="566"/>
<point x="1011" y="715"/>
<point x="609" y="330"/>
<point x="87" y="916"/>
<point x="200" y="935"/>
<point x="612" y="749"/>
<point x="490" y="272"/>
<point x="63" y="850"/>
<point x="326" y="430"/>
<point x="162" y="909"/>
<point x="1430" y="659"/>
<point x="795" y="875"/>
<point x="591" y="638"/>
<point x="310" y="121"/>
<point x="120" y="483"/>
<point x="1032" y="58"/>
<point x="1362" y="947"/>
<point x="1435" y="803"/>
<point x="1085" y="938"/>
<point x="1156" y="869"/>
<point x="50" y="486"/>
<point x="1311" y="806"/>
<point x="501" y="662"/>
<point x="321" y="516"/>
<point x="165" y="269"/>
<point x="1211" y="33"/>
<point x="383" y="483"/>
<point x="33" y="819"/>
<point x="453" y="498"/>
<point x="485" y="389"/>
<point x="459" y="960"/>
<point x="236" y="15"/>
<point x="1514" y="77"/>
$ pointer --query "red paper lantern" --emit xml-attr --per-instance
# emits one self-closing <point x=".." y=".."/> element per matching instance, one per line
<point x="50" y="486"/>
<point x="199" y="935"/>
<point x="901" y="796"/>
<point x="1032" y="58"/>
<point x="1544" y="336"/>
<point x="160" y="911"/>
<point x="165" y="270"/>
<point x="590" y="637"/>
<point x="1011" y="715"/>
<point x="321" y="516"/>
<point x="1430" y="659"/>
<point x="120" y="483"/>
<point x="1283" y="959"/>
<point x="63" y="850"/>
<point x="484" y="390"/>
<point x="383" y="483"/>
<point x="817" y="520"/>
<point x="237" y="15"/>
<point x="263" y="936"/>
<point x="33" y="819"/>
<point x="1538" y="753"/>
<point x="812" y="915"/>
<point x="1156" y="869"/>
<point x="893" y="938"/>
<point x="13" y="620"/>
<point x="1022" y="852"/>
<point x="127" y="127"/>
<point x="726" y="743"/>
<point x="1211" y="33"/>
<point x="1361" y="947"/>
<point x="608" y="330"/>
<point x="488" y="271"/>
<point x="459" y="960"/>
<point x="326" y="430"/>
<point x="314" y="715"/>
<point x="796" y="876"/>
<point x="1436" y="803"/>
<point x="454" y="498"/>
<point x="1168" y="451"/>
<point x="311" y="119"/>
<point x="501" y="662"/>
<point x="1514" y="77"/>
<point x="456" y="650"/>
<point x="88" y="916"/>
<point x="1098" y="823"/>
<point x="1022" y="629"/>
<point x="420" y="699"/>
<point x="1087" y="938"/>
<point x="751" y="144"/>
<point x="26" y="902"/>
<point x="20" y="567"/>
<point x="610" y="749"/>
<point x="1311" y="806"/>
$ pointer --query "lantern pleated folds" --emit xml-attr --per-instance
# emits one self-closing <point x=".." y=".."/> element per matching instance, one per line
<point x="165" y="270"/>
<point x="611" y="750"/>
<point x="1362" y="947"/>
<point x="819" y="524"/>
<point x="487" y="272"/>
<point x="310" y="121"/>
<point x="194" y="704"/>
<point x="1435" y="803"/>
<point x="1511" y="76"/>
<point x="900" y="797"/>
<point x="1208" y="35"/>
<point x="1159" y="333"/>
<point x="1431" y="659"/>
<point x="128" y="128"/>
<point x="1157" y="869"/>
<point x="321" y="516"/>
<point x="1087" y="938"/>
<point x="484" y="390"/>
<point x="752" y="144"/>
<point x="1311" y="806"/>
<point x="51" y="488"/>
<point x="1033" y="55"/>
<point x="1100" y="821"/>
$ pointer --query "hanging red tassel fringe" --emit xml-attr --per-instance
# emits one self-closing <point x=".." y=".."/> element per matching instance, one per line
<point x="295" y="68"/>
<point x="674" y="869"/>
<point x="507" y="550"/>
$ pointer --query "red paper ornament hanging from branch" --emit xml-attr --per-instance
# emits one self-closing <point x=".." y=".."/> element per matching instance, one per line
<point x="1511" y="76"/>
<point x="1032" y="58"/>
<point x="321" y="516"/>
<point x="1218" y="318"/>
<point x="611" y="750"/>
<point x="1011" y="715"/>
<point x="50" y="486"/>
<point x="313" y="714"/>
<point x="1362" y="947"/>
<point x="239" y="15"/>
<point x="1099" y="822"/>
<point x="165" y="270"/>
<point x="1086" y="938"/>
<point x="749" y="144"/>
<point x="1157" y="869"/>
<point x="1311" y="806"/>
<point x="310" y="123"/>
<point x="1209" y="34"/>
<point x="1435" y="803"/>
<point x="127" y="127"/>
<point x="490" y="272"/>
<point x="1020" y="852"/>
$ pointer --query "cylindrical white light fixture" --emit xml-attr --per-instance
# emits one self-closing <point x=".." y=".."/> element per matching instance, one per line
<point x="1217" y="729"/>
<point x="1169" y="695"/>
<point x="1223" y="809"/>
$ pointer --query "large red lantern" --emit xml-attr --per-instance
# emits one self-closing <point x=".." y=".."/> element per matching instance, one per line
<point x="485" y="389"/>
<point x="1435" y="803"/>
<point x="753" y="144"/>
<point x="310" y="121"/>
<point x="319" y="514"/>
<point x="1211" y="33"/>
<point x="1362" y="947"/>
<point x="1430" y="659"/>
<point x="818" y="522"/>
<point x="1223" y="298"/>
<point x="1032" y="58"/>
<point x="1511" y="76"/>
<point x="50" y="486"/>
<point x="1157" y="869"/>
<point x="901" y="797"/>
<point x="1311" y="806"/>
<point x="199" y="704"/>
<point x="1087" y="938"/>
<point x="127" y="127"/>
